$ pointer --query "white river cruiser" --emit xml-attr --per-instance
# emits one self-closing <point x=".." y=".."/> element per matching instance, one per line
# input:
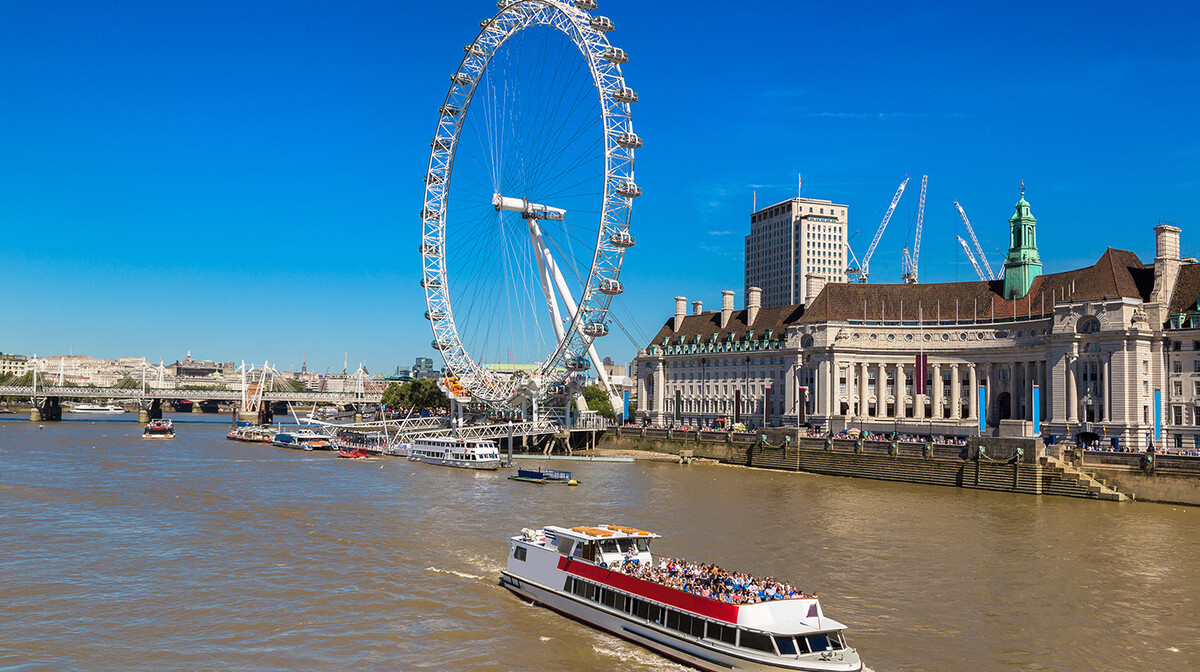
<point x="97" y="409"/>
<point x="606" y="577"/>
<point x="451" y="452"/>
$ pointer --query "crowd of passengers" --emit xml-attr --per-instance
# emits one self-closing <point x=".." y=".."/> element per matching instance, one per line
<point x="710" y="581"/>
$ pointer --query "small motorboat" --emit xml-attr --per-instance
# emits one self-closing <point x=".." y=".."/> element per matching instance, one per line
<point x="356" y="454"/>
<point x="159" y="429"/>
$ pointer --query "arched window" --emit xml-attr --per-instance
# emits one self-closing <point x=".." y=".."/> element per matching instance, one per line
<point x="1088" y="325"/>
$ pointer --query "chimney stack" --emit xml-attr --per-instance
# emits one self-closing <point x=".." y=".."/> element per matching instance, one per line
<point x="697" y="307"/>
<point x="1166" y="270"/>
<point x="680" y="311"/>
<point x="813" y="284"/>
<point x="726" y="306"/>
<point x="753" y="303"/>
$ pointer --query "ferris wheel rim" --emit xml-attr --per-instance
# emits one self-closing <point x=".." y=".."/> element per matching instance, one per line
<point x="619" y="189"/>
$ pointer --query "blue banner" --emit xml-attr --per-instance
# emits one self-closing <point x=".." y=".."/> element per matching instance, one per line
<point x="1037" y="410"/>
<point x="625" y="416"/>
<point x="1157" y="414"/>
<point x="982" y="409"/>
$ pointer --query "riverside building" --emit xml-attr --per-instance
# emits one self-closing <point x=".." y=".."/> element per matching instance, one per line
<point x="791" y="240"/>
<point x="1112" y="349"/>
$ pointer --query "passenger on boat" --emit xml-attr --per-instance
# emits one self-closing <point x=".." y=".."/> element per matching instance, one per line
<point x="711" y="581"/>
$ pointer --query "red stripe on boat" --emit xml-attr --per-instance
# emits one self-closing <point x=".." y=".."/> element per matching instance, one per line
<point x="696" y="604"/>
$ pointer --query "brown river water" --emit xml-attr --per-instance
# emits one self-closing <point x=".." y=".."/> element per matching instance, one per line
<point x="204" y="554"/>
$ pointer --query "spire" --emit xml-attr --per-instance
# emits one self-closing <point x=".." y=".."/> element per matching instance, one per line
<point x="1023" y="263"/>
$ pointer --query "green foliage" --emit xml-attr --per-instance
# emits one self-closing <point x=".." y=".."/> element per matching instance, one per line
<point x="421" y="394"/>
<point x="597" y="400"/>
<point x="126" y="383"/>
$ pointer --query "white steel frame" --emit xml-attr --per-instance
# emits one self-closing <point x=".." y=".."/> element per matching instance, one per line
<point x="551" y="375"/>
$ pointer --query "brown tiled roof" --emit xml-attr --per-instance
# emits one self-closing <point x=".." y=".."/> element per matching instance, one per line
<point x="1187" y="289"/>
<point x="1118" y="273"/>
<point x="775" y="318"/>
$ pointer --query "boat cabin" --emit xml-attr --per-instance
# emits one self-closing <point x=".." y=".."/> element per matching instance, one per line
<point x="604" y="545"/>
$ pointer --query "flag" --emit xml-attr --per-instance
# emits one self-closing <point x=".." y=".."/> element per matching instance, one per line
<point x="919" y="370"/>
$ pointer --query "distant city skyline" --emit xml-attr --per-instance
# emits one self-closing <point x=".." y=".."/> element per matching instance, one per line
<point x="243" y="180"/>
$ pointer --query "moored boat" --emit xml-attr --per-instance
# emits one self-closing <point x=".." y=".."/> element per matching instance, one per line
<point x="355" y="454"/>
<point x="302" y="439"/>
<point x="251" y="434"/>
<point x="451" y="452"/>
<point x="159" y="429"/>
<point x="543" y="476"/>
<point x="696" y="614"/>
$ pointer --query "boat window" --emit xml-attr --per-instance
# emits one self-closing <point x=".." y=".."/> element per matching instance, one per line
<point x="610" y="598"/>
<point x="757" y="641"/>
<point x="623" y="544"/>
<point x="672" y="619"/>
<point x="643" y="610"/>
<point x="643" y="545"/>
<point x="631" y="604"/>
<point x="698" y="627"/>
<point x="818" y="643"/>
<point x="589" y="551"/>
<point x="593" y="592"/>
<point x="684" y="624"/>
<point x="519" y="553"/>
<point x="786" y="646"/>
<point x="564" y="545"/>
<point x="655" y="614"/>
<point x="722" y="633"/>
<point x="608" y="546"/>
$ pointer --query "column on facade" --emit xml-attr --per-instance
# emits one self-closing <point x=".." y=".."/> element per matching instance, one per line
<point x="1072" y="390"/>
<point x="881" y="391"/>
<point x="862" y="390"/>
<point x="955" y="393"/>
<point x="988" y="389"/>
<point x="938" y="390"/>
<point x="972" y="393"/>
<point x="660" y="393"/>
<point x="1106" y="386"/>
<point x="900" y="378"/>
<point x="1014" y="392"/>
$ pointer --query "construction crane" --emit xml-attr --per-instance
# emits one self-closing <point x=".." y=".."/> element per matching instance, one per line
<point x="862" y="272"/>
<point x="909" y="265"/>
<point x="978" y="248"/>
<point x="971" y="258"/>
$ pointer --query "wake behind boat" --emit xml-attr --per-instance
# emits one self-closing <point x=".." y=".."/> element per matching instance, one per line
<point x="696" y="614"/>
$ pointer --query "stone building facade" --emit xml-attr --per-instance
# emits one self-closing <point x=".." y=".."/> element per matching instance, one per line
<point x="1112" y="349"/>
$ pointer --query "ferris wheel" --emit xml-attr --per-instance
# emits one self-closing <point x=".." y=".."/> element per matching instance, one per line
<point x="522" y="256"/>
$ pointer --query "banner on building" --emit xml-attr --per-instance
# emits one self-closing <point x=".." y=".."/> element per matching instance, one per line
<point x="1157" y="414"/>
<point x="625" y="416"/>
<point x="1037" y="410"/>
<point x="767" y="408"/>
<point x="982" y="406"/>
<point x="737" y="406"/>
<point x="919" y="373"/>
<point x="678" y="405"/>
<point x="801" y="405"/>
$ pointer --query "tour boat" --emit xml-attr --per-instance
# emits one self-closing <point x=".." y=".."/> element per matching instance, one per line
<point x="451" y="452"/>
<point x="543" y="476"/>
<point x="93" y="408"/>
<point x="159" y="429"/>
<point x="699" y="615"/>
<point x="356" y="454"/>
<point x="251" y="434"/>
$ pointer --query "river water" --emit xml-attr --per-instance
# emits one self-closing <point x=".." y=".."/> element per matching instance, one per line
<point x="201" y="553"/>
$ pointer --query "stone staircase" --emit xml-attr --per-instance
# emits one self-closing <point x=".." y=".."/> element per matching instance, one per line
<point x="1060" y="478"/>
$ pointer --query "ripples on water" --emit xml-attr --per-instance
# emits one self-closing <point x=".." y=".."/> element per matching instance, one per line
<point x="200" y="553"/>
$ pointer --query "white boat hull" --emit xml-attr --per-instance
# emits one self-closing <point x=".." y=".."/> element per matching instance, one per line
<point x="488" y="465"/>
<point x="692" y="651"/>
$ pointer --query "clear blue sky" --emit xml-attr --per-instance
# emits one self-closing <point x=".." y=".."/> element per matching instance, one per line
<point x="243" y="179"/>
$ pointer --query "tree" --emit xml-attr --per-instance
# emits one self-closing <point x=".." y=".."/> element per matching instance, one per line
<point x="597" y="400"/>
<point x="421" y="394"/>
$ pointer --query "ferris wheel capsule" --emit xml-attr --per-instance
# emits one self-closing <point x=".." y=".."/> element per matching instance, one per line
<point x="433" y="178"/>
<point x="611" y="287"/>
<point x="628" y="140"/>
<point x="450" y="110"/>
<point x="621" y="239"/>
<point x="435" y="345"/>
<point x="462" y="79"/>
<point x="579" y="363"/>
<point x="601" y="23"/>
<point x="629" y="189"/>
<point x="615" y="55"/>
<point x="585" y="5"/>
<point x="624" y="94"/>
<point x="441" y="144"/>
<point x="595" y="329"/>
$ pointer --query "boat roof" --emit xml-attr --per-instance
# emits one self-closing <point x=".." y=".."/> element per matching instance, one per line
<point x="601" y="531"/>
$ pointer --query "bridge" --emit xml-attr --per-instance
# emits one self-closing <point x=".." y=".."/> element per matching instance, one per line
<point x="254" y="396"/>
